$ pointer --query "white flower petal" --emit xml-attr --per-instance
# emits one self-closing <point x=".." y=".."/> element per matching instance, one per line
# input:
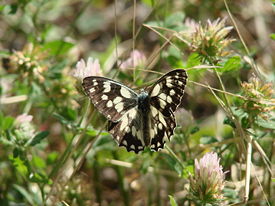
<point x="24" y="118"/>
<point x="82" y="70"/>
<point x="136" y="58"/>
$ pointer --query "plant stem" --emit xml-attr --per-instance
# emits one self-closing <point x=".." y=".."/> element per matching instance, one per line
<point x="124" y="192"/>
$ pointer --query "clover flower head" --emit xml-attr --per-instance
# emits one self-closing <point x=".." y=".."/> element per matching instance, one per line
<point x="257" y="89"/>
<point x="208" y="181"/>
<point x="29" y="62"/>
<point x="208" y="40"/>
<point x="23" y="118"/>
<point x="82" y="70"/>
<point x="136" y="59"/>
<point x="191" y="25"/>
<point x="24" y="126"/>
<point x="260" y="97"/>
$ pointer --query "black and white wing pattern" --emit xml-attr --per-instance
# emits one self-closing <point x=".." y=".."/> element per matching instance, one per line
<point x="118" y="103"/>
<point x="165" y="96"/>
<point x="138" y="120"/>
<point x="111" y="98"/>
<point x="129" y="131"/>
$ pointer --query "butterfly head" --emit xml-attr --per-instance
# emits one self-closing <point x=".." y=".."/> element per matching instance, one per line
<point x="143" y="100"/>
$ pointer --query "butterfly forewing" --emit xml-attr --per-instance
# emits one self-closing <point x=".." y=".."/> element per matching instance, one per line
<point x="167" y="92"/>
<point x="165" y="96"/>
<point x="111" y="98"/>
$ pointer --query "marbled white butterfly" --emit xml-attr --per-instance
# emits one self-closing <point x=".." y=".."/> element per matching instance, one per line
<point x="138" y="120"/>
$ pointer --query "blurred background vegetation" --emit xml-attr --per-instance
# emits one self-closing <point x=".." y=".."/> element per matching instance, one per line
<point x="54" y="149"/>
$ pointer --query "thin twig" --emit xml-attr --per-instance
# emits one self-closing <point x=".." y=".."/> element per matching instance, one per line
<point x="248" y="169"/>
<point x="134" y="37"/>
<point x="116" y="39"/>
<point x="14" y="99"/>
<point x="259" y="182"/>
<point x="252" y="63"/>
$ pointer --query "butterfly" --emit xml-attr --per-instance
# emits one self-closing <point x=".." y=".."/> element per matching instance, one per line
<point x="138" y="119"/>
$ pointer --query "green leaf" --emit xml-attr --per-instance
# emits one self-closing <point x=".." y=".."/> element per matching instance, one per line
<point x="174" y="57"/>
<point x="173" y="163"/>
<point x="228" y="121"/>
<point x="62" y="119"/>
<point x="2" y="7"/>
<point x="69" y="114"/>
<point x="231" y="194"/>
<point x="1" y="119"/>
<point x="92" y="132"/>
<point x="231" y="64"/>
<point x="58" y="47"/>
<point x="7" y="123"/>
<point x="272" y="36"/>
<point x="55" y="72"/>
<point x="102" y="141"/>
<point x="39" y="162"/>
<point x="172" y="201"/>
<point x="38" y="138"/>
<point x="147" y="161"/>
<point x="150" y="3"/>
<point x="17" y="152"/>
<point x="13" y="8"/>
<point x="238" y="112"/>
<point x="27" y="196"/>
<point x="208" y="140"/>
<point x="189" y="169"/>
<point x="20" y="165"/>
<point x="52" y="157"/>
<point x="193" y="60"/>
<point x="155" y="23"/>
<point x="268" y="124"/>
<point x="139" y="82"/>
<point x="194" y="130"/>
<point x="175" y="21"/>
<point x="172" y="51"/>
<point x="245" y="122"/>
<point x="38" y="177"/>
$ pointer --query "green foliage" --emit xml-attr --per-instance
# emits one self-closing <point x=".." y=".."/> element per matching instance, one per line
<point x="233" y="63"/>
<point x="173" y="163"/>
<point x="20" y="165"/>
<point x="38" y="138"/>
<point x="267" y="124"/>
<point x="54" y="145"/>
<point x="6" y="122"/>
<point x="172" y="201"/>
<point x="57" y="47"/>
<point x="173" y="22"/>
<point x="193" y="60"/>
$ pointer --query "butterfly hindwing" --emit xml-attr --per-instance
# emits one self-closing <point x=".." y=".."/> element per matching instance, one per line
<point x="128" y="131"/>
<point x="111" y="98"/>
<point x="162" y="128"/>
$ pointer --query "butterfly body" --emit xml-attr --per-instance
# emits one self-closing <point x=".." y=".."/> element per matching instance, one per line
<point x="138" y="120"/>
